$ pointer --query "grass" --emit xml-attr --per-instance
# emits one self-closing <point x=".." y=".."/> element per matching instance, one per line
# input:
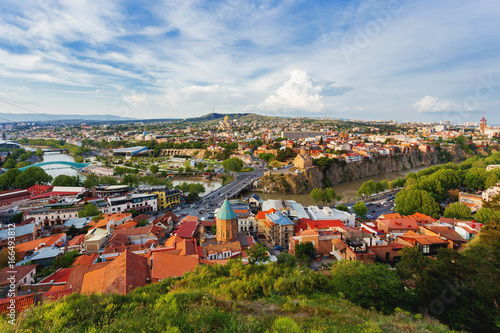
<point x="235" y="298"/>
<point x="247" y="170"/>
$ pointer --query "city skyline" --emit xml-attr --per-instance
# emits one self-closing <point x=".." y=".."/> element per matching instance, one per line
<point x="393" y="60"/>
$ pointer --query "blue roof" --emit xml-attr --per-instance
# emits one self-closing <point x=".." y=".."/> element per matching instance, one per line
<point x="226" y="212"/>
<point x="79" y="222"/>
<point x="279" y="219"/>
<point x="18" y="230"/>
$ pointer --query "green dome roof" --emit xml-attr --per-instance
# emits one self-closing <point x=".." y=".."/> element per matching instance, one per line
<point x="226" y="212"/>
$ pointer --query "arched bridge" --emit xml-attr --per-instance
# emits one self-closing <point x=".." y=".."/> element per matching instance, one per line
<point x="73" y="165"/>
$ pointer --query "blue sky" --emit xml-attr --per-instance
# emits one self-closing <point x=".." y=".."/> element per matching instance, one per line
<point x="400" y="60"/>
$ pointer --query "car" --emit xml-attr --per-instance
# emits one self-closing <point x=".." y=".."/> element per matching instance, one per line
<point x="369" y="216"/>
<point x="373" y="211"/>
<point x="277" y="247"/>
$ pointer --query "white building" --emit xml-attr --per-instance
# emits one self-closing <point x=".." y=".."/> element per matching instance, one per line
<point x="489" y="193"/>
<point x="328" y="213"/>
<point x="138" y="202"/>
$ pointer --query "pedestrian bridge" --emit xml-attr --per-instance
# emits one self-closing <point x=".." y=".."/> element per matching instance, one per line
<point x="72" y="165"/>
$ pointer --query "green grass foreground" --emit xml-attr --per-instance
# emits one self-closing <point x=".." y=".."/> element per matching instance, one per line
<point x="231" y="298"/>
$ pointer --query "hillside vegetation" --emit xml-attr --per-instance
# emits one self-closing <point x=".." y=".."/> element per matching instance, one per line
<point x="232" y="298"/>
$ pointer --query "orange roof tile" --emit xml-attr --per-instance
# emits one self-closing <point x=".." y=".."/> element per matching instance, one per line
<point x="85" y="260"/>
<point x="77" y="240"/>
<point x="125" y="273"/>
<point x="170" y="265"/>
<point x="21" y="303"/>
<point x="127" y="225"/>
<point x="41" y="242"/>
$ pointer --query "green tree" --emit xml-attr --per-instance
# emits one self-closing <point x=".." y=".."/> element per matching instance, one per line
<point x="367" y="188"/>
<point x="17" y="218"/>
<point x="10" y="163"/>
<point x="79" y="159"/>
<point x="5" y="257"/>
<point x="232" y="164"/>
<point x="342" y="208"/>
<point x="142" y="223"/>
<point x="258" y="252"/>
<point x="317" y="195"/>
<point x="305" y="251"/>
<point x="411" y="201"/>
<point x="369" y="285"/>
<point x="484" y="215"/>
<point x="89" y="210"/>
<point x="8" y="178"/>
<point x="133" y="212"/>
<point x="360" y="209"/>
<point x="39" y="152"/>
<point x="154" y="169"/>
<point x="65" y="180"/>
<point x="458" y="211"/>
<point x="107" y="180"/>
<point x="24" y="180"/>
<point x="131" y="180"/>
<point x="91" y="181"/>
<point x="330" y="195"/>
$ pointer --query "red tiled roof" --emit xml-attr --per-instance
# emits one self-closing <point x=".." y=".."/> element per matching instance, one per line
<point x="187" y="229"/>
<point x="46" y="241"/>
<point x="141" y="217"/>
<point x="21" y="303"/>
<point x="127" y="225"/>
<point x="170" y="265"/>
<point x="125" y="273"/>
<point x="85" y="260"/>
<point x="61" y="275"/>
<point x="53" y="295"/>
<point x="21" y="272"/>
<point x="77" y="240"/>
<point x="190" y="218"/>
<point x="400" y="223"/>
<point x="262" y="214"/>
<point x="75" y="279"/>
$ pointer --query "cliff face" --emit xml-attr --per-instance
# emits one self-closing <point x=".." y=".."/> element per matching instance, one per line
<point x="338" y="173"/>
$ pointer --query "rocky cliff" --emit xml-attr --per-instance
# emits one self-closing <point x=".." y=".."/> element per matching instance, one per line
<point x="338" y="173"/>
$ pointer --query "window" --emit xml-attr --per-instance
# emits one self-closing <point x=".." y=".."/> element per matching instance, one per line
<point x="425" y="249"/>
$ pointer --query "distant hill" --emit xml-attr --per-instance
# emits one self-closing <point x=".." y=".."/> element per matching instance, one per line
<point x="220" y="116"/>
<point x="37" y="117"/>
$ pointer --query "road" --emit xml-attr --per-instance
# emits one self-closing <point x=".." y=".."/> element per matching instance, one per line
<point x="374" y="204"/>
<point x="213" y="200"/>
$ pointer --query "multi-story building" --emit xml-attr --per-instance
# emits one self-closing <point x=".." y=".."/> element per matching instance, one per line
<point x="328" y="213"/>
<point x="278" y="229"/>
<point x="166" y="198"/>
<point x="138" y="202"/>
<point x="53" y="216"/>
<point x="491" y="192"/>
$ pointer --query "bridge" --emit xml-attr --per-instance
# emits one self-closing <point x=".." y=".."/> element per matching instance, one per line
<point x="72" y="165"/>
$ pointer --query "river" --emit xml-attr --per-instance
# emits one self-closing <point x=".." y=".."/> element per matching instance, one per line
<point x="65" y="169"/>
<point x="346" y="190"/>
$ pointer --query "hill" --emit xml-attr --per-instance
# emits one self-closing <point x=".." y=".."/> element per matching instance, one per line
<point x="48" y="117"/>
<point x="230" y="298"/>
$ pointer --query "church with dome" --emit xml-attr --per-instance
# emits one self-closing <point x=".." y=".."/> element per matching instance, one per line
<point x="226" y="124"/>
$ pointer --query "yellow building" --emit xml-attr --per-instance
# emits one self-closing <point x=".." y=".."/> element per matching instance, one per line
<point x="170" y="198"/>
<point x="303" y="161"/>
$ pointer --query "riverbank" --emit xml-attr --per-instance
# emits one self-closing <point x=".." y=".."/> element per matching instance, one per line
<point x="346" y="190"/>
<point x="338" y="173"/>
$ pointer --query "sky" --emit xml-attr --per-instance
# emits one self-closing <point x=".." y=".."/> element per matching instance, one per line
<point x="419" y="60"/>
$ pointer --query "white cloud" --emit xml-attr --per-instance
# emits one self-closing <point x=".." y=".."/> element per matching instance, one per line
<point x="430" y="104"/>
<point x="299" y="92"/>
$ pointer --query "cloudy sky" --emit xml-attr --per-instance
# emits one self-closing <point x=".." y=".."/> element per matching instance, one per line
<point x="401" y="60"/>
